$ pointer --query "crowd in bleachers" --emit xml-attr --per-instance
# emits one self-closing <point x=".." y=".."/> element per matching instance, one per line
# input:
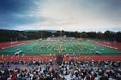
<point x="86" y="70"/>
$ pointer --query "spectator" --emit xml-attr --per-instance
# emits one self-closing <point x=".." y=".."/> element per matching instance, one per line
<point x="85" y="70"/>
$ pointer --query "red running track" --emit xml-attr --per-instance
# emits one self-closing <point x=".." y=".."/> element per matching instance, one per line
<point x="53" y="58"/>
<point x="114" y="45"/>
<point x="5" y="45"/>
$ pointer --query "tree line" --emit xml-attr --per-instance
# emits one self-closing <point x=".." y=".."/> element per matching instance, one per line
<point x="14" y="35"/>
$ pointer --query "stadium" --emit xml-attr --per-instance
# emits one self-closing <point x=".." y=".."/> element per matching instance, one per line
<point x="56" y="53"/>
<point x="58" y="46"/>
<point x="61" y="45"/>
<point x="65" y="40"/>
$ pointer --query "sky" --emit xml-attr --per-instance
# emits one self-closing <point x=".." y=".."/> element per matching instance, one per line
<point x="68" y="15"/>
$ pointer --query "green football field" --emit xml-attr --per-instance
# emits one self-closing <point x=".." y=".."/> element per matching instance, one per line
<point x="74" y="47"/>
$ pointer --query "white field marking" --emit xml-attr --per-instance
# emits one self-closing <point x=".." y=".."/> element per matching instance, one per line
<point x="18" y="52"/>
<point x="114" y="48"/>
<point x="102" y="49"/>
<point x="3" y="48"/>
<point x="111" y="47"/>
<point x="98" y="52"/>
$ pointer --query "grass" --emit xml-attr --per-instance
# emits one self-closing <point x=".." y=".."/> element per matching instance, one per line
<point x="76" y="47"/>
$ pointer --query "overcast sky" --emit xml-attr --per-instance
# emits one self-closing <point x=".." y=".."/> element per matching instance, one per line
<point x="69" y="15"/>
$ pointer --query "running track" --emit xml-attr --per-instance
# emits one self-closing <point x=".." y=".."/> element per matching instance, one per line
<point x="53" y="58"/>
<point x="6" y="45"/>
